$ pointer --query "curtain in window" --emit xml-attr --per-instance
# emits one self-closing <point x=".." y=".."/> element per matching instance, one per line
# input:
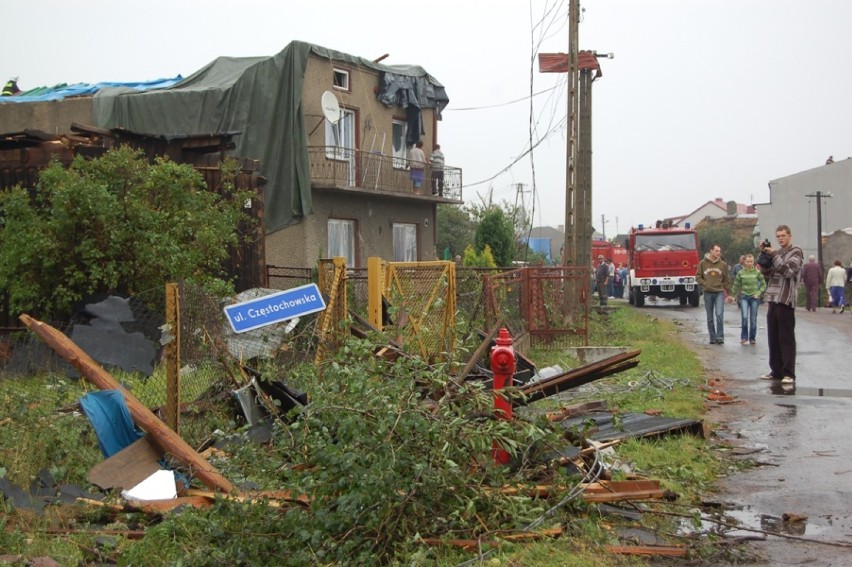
<point x="404" y="243"/>
<point x="341" y="240"/>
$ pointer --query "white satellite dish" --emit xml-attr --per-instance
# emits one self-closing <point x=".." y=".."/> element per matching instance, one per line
<point x="330" y="107"/>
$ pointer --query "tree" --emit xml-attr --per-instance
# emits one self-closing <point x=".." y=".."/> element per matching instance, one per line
<point x="732" y="242"/>
<point x="455" y="230"/>
<point x="473" y="259"/>
<point x="115" y="224"/>
<point x="495" y="230"/>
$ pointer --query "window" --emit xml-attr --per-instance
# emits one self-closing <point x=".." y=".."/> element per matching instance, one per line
<point x="340" y="142"/>
<point x="404" y="242"/>
<point x="341" y="240"/>
<point x="341" y="80"/>
<point x="400" y="156"/>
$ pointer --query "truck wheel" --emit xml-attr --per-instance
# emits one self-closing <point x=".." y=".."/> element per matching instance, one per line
<point x="630" y="296"/>
<point x="682" y="299"/>
<point x="639" y="298"/>
<point x="694" y="298"/>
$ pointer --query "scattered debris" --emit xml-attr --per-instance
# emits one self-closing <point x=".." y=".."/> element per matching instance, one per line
<point x="170" y="441"/>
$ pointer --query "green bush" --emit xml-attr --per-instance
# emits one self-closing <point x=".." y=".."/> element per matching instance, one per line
<point x="115" y="224"/>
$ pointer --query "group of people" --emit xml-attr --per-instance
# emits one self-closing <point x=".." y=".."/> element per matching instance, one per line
<point x="835" y="284"/>
<point x="609" y="279"/>
<point x="417" y="162"/>
<point x="772" y="278"/>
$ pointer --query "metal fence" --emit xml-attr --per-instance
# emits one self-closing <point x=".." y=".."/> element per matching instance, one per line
<point x="343" y="167"/>
<point x="551" y="304"/>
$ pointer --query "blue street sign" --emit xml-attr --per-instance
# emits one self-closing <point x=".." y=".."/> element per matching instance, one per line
<point x="274" y="308"/>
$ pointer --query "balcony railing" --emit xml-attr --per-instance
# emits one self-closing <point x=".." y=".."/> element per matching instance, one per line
<point x="346" y="168"/>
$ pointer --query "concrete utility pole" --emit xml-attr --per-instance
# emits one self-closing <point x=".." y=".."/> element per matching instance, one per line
<point x="569" y="251"/>
<point x="819" y="195"/>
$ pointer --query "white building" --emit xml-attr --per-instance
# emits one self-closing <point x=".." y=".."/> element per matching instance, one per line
<point x="793" y="201"/>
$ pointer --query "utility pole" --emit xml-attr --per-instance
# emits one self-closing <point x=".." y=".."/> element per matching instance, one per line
<point x="819" y="195"/>
<point x="519" y="195"/>
<point x="569" y="251"/>
<point x="603" y="226"/>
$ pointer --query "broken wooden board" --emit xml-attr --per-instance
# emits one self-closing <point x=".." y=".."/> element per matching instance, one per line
<point x="128" y="467"/>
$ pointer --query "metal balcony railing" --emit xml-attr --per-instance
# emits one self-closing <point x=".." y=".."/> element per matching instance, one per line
<point x="347" y="168"/>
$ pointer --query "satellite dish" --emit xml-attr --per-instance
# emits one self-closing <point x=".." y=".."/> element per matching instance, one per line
<point x="330" y="107"/>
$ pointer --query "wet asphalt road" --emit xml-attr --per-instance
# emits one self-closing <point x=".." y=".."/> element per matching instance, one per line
<point x="802" y="435"/>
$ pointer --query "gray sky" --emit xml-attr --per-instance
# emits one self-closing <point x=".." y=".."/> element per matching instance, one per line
<point x="704" y="99"/>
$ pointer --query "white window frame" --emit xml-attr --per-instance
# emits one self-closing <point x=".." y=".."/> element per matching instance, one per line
<point x="340" y="80"/>
<point x="404" y="242"/>
<point x="341" y="240"/>
<point x="400" y="151"/>
<point x="340" y="141"/>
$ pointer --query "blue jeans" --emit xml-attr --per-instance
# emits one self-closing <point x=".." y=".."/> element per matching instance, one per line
<point x="837" y="299"/>
<point x="748" y="312"/>
<point x="714" y="303"/>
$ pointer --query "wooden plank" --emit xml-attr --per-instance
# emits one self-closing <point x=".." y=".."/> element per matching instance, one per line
<point x="160" y="433"/>
<point x="478" y="353"/>
<point x="666" y="550"/>
<point x="128" y="467"/>
<point x="599" y="497"/>
<point x="622" y="485"/>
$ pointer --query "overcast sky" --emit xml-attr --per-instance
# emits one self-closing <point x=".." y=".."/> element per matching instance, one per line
<point x="703" y="99"/>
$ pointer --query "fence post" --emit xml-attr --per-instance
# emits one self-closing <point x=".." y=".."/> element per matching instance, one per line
<point x="172" y="354"/>
<point x="374" y="291"/>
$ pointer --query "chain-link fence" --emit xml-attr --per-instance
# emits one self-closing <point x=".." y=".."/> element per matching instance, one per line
<point x="137" y="343"/>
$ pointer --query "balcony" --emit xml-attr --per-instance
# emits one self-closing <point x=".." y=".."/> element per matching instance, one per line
<point x="342" y="168"/>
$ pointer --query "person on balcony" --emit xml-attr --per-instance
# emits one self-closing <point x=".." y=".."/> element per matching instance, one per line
<point x="437" y="159"/>
<point x="417" y="164"/>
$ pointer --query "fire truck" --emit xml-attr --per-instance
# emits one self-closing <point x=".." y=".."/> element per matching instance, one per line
<point x="663" y="263"/>
<point x="615" y="252"/>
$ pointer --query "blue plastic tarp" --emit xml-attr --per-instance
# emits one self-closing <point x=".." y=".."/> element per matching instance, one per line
<point x="62" y="91"/>
<point x="111" y="419"/>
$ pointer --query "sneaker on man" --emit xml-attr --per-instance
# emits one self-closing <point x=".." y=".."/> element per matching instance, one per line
<point x="768" y="377"/>
<point x="788" y="380"/>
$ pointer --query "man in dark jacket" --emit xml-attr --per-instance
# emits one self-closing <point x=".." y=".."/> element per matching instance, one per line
<point x="601" y="279"/>
<point x="812" y="278"/>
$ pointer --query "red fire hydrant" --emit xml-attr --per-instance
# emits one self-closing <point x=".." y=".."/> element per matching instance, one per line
<point x="503" y="368"/>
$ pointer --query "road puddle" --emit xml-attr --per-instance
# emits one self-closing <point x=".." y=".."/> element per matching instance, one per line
<point x="780" y="389"/>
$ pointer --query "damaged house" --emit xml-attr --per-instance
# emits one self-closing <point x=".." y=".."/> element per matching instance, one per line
<point x="331" y="133"/>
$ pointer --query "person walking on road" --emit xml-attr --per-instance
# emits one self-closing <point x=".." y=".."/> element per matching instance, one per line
<point x="812" y="278"/>
<point x="781" y="280"/>
<point x="749" y="286"/>
<point x="715" y="279"/>
<point x="835" y="283"/>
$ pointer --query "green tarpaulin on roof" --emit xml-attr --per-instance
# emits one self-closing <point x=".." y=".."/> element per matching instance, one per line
<point x="261" y="98"/>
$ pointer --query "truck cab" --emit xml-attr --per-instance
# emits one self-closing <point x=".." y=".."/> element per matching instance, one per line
<point x="663" y="263"/>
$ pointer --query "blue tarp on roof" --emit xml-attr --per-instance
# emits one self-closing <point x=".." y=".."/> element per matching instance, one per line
<point x="59" y="92"/>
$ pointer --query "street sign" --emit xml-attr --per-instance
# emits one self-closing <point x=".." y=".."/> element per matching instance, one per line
<point x="274" y="308"/>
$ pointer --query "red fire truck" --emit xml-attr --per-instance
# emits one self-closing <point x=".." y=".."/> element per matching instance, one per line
<point x="663" y="263"/>
<point x="615" y="252"/>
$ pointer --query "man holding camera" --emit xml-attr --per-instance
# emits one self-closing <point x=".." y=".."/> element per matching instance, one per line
<point x="782" y="275"/>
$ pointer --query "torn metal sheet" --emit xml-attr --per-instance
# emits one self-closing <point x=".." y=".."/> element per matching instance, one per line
<point x="604" y="426"/>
